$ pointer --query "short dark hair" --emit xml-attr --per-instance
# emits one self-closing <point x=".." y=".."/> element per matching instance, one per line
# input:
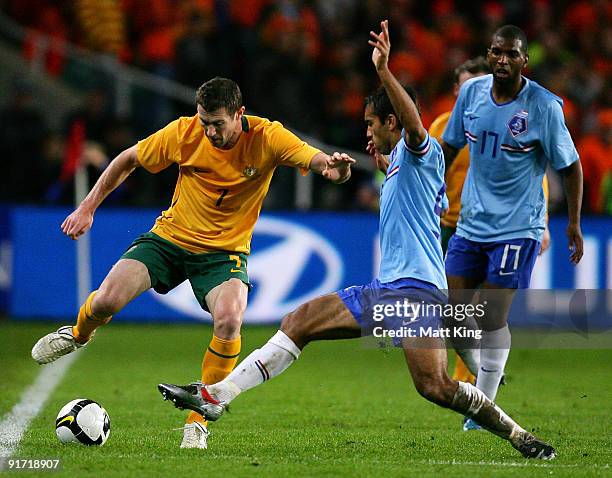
<point x="473" y="66"/>
<point x="219" y="93"/>
<point x="512" y="32"/>
<point x="381" y="104"/>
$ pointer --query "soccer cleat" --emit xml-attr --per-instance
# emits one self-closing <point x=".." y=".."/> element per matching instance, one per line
<point x="195" y="435"/>
<point x="194" y="397"/>
<point x="55" y="345"/>
<point x="469" y="424"/>
<point x="531" y="447"/>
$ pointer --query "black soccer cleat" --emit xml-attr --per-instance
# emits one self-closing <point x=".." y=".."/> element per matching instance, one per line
<point x="534" y="448"/>
<point x="193" y="397"/>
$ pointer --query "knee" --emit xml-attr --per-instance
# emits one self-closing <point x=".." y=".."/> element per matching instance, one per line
<point x="106" y="302"/>
<point x="227" y="320"/>
<point x="436" y="389"/>
<point x="295" y="325"/>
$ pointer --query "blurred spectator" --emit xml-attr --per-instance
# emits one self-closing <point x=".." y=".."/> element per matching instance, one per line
<point x="87" y="131"/>
<point x="47" y="50"/>
<point x="307" y="62"/>
<point x="200" y="55"/>
<point x="102" y="25"/>
<point x="286" y="72"/>
<point x="595" y="151"/>
<point x="22" y="136"/>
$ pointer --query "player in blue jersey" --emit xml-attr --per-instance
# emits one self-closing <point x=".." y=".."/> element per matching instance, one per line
<point x="514" y="128"/>
<point x="411" y="267"/>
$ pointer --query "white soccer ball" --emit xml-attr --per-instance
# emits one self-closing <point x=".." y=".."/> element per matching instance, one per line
<point x="82" y="421"/>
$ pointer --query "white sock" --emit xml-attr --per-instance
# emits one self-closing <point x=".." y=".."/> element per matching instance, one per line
<point x="261" y="365"/>
<point x="494" y="351"/>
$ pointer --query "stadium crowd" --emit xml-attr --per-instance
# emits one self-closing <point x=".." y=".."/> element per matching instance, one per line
<point x="302" y="62"/>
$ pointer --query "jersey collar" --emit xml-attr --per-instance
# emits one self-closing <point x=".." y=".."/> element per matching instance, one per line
<point x="521" y="91"/>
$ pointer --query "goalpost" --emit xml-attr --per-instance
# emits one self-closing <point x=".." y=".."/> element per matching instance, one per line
<point x="83" y="244"/>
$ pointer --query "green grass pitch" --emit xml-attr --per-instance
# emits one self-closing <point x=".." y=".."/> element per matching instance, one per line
<point x="342" y="410"/>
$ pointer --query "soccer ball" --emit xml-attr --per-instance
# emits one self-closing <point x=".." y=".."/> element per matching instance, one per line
<point x="82" y="421"/>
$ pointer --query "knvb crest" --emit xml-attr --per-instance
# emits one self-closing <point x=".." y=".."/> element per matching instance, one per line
<point x="518" y="123"/>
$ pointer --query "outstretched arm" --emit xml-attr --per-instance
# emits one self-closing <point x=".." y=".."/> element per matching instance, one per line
<point x="80" y="221"/>
<point x="403" y="105"/>
<point x="572" y="183"/>
<point x="336" y="168"/>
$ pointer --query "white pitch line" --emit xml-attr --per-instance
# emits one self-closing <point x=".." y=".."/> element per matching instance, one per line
<point x="526" y="464"/>
<point x="15" y="423"/>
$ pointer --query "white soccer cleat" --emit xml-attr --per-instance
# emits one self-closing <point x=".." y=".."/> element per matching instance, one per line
<point x="55" y="345"/>
<point x="195" y="435"/>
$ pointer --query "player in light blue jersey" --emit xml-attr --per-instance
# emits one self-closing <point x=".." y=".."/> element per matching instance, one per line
<point x="514" y="128"/>
<point x="411" y="268"/>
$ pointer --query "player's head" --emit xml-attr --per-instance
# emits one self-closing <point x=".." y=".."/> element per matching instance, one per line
<point x="470" y="69"/>
<point x="507" y="55"/>
<point x="219" y="105"/>
<point x="383" y="126"/>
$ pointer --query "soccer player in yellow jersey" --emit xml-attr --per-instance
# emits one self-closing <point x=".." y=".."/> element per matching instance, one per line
<point x="226" y="160"/>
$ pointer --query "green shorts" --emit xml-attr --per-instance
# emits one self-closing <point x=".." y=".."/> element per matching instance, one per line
<point x="169" y="265"/>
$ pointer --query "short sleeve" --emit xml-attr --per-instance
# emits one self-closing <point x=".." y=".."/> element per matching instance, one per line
<point x="421" y="153"/>
<point x="556" y="139"/>
<point x="454" y="134"/>
<point x="157" y="152"/>
<point x="287" y="148"/>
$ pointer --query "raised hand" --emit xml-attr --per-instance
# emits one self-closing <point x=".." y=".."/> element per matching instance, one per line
<point x="382" y="46"/>
<point x="380" y="160"/>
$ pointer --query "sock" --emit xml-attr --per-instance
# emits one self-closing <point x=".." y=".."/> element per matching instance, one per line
<point x="219" y="360"/>
<point x="468" y="348"/>
<point x="473" y="403"/>
<point x="87" y="322"/>
<point x="470" y="358"/>
<point x="461" y="372"/>
<point x="261" y="365"/>
<point x="495" y="348"/>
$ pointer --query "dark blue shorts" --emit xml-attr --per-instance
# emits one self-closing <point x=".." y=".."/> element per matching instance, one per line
<point x="507" y="264"/>
<point x="402" y="308"/>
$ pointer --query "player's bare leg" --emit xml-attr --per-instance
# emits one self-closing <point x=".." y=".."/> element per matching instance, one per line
<point x="323" y="318"/>
<point x="426" y="359"/>
<point x="461" y="290"/>
<point x="126" y="280"/>
<point x="227" y="303"/>
<point x="328" y="318"/>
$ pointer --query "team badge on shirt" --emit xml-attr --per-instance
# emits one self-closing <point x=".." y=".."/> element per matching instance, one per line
<point x="518" y="123"/>
<point x="250" y="172"/>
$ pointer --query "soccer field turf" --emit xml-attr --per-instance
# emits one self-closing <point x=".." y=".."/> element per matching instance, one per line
<point x="341" y="410"/>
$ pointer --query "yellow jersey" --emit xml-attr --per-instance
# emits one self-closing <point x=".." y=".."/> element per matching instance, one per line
<point x="219" y="193"/>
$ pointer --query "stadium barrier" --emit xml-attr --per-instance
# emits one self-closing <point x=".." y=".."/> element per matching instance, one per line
<point x="296" y="256"/>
